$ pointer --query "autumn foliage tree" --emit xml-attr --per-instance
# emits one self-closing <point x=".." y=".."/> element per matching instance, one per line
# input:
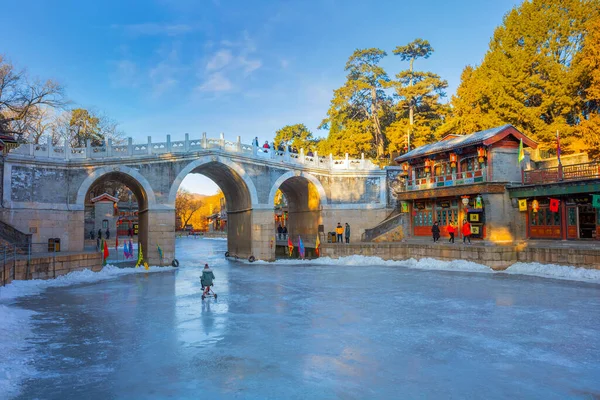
<point x="530" y="77"/>
<point x="186" y="205"/>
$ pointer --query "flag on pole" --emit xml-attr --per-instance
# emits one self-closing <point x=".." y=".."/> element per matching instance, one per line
<point x="521" y="152"/>
<point x="522" y="204"/>
<point x="557" y="146"/>
<point x="290" y="245"/>
<point x="105" y="254"/>
<point x="317" y="246"/>
<point x="116" y="242"/>
<point x="300" y="247"/>
<point x="140" y="256"/>
<point x="125" y="252"/>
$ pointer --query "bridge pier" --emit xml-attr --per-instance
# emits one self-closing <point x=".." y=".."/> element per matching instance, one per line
<point x="263" y="234"/>
<point x="160" y="231"/>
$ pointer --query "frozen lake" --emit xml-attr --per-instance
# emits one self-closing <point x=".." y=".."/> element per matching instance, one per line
<point x="282" y="331"/>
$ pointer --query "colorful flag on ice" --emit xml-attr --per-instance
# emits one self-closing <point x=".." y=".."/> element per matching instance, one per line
<point x="125" y="251"/>
<point x="290" y="245"/>
<point x="130" y="249"/>
<point x="140" y="256"/>
<point x="105" y="254"/>
<point x="521" y="153"/>
<point x="317" y="246"/>
<point x="300" y="247"/>
<point x="160" y="252"/>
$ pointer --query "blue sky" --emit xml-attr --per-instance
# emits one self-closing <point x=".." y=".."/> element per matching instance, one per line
<point x="240" y="67"/>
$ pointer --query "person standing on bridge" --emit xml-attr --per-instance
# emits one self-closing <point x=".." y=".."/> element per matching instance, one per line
<point x="255" y="142"/>
<point x="347" y="233"/>
<point x="339" y="230"/>
<point x="266" y="146"/>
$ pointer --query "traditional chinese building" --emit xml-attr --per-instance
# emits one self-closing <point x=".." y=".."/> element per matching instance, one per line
<point x="561" y="201"/>
<point x="464" y="177"/>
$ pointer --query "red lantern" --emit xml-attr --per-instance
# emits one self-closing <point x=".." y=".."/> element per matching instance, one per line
<point x="481" y="153"/>
<point x="427" y="165"/>
<point x="535" y="206"/>
<point x="453" y="159"/>
<point x="405" y="168"/>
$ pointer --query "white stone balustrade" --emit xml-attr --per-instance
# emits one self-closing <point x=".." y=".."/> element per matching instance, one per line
<point x="110" y="150"/>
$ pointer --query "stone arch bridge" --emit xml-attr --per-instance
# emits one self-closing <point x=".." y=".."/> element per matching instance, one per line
<point x="44" y="189"/>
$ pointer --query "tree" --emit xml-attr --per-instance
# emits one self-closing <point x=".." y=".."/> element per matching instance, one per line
<point x="79" y="125"/>
<point x="186" y="205"/>
<point x="357" y="107"/>
<point x="418" y="93"/>
<point x="21" y="97"/>
<point x="527" y="77"/>
<point x="588" y="62"/>
<point x="297" y="136"/>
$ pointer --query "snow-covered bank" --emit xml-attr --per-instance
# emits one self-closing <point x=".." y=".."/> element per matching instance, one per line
<point x="26" y="288"/>
<point x="531" y="269"/>
<point x="15" y="357"/>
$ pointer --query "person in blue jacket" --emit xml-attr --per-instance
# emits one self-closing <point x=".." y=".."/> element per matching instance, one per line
<point x="207" y="279"/>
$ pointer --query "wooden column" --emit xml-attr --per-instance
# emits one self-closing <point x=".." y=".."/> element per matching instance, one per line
<point x="563" y="219"/>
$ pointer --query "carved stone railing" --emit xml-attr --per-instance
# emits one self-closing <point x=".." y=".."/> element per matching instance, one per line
<point x="110" y="150"/>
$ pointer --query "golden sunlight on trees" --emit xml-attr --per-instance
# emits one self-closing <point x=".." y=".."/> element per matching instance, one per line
<point x="208" y="205"/>
<point x="530" y="77"/>
<point x="186" y="205"/>
<point x="297" y="136"/>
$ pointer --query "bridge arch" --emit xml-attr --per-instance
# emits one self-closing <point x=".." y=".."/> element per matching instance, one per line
<point x="134" y="181"/>
<point x="305" y="197"/>
<point x="240" y="196"/>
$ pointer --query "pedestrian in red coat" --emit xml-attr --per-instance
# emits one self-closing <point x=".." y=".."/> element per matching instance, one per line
<point x="466" y="231"/>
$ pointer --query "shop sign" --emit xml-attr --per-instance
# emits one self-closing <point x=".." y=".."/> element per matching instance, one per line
<point x="420" y="206"/>
<point x="522" y="204"/>
<point x="404" y="207"/>
<point x="582" y="200"/>
<point x="444" y="204"/>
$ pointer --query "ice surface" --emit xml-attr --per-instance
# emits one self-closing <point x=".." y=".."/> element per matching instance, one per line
<point x="322" y="329"/>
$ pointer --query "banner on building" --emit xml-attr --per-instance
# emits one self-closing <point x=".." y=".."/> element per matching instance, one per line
<point x="596" y="200"/>
<point x="404" y="207"/>
<point x="554" y="203"/>
<point x="522" y="204"/>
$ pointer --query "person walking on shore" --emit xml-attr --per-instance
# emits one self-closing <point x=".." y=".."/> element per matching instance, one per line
<point x="339" y="230"/>
<point x="451" y="231"/>
<point x="347" y="233"/>
<point x="435" y="231"/>
<point x="466" y="231"/>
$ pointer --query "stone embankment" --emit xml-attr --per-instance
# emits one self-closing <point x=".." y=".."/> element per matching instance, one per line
<point x="497" y="257"/>
<point x="48" y="267"/>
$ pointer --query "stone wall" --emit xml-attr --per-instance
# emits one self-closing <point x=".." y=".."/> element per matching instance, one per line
<point x="49" y="267"/>
<point x="359" y="220"/>
<point x="496" y="257"/>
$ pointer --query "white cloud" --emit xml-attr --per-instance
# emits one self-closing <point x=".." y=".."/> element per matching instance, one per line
<point x="219" y="60"/>
<point x="216" y="82"/>
<point x="249" y="65"/>
<point x="126" y="74"/>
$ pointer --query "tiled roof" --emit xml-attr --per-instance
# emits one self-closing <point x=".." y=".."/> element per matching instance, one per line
<point x="458" y="142"/>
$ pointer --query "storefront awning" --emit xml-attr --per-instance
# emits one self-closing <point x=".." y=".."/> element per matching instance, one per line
<point x="556" y="189"/>
<point x="480" y="188"/>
